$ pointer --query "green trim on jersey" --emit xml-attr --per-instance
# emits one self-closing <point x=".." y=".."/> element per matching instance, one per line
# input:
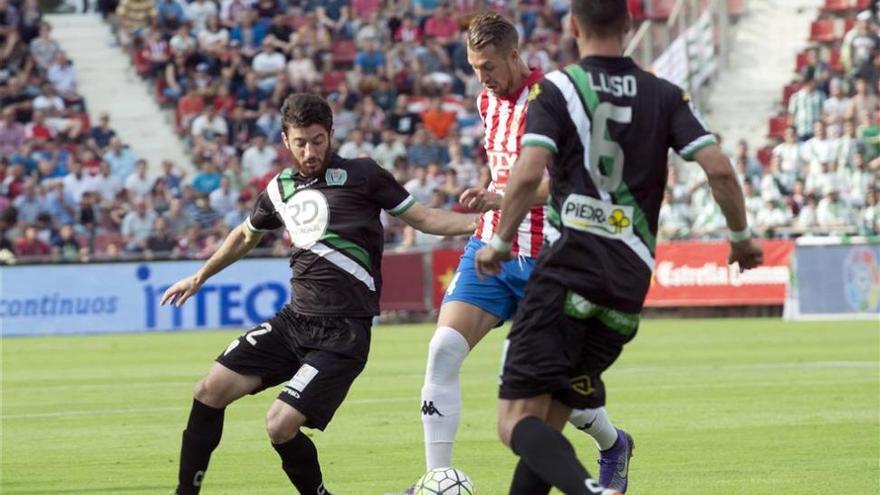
<point x="581" y="309"/>
<point x="688" y="152"/>
<point x="622" y="195"/>
<point x="348" y="248"/>
<point x="403" y="206"/>
<point x="553" y="214"/>
<point x="539" y="140"/>
<point x="286" y="184"/>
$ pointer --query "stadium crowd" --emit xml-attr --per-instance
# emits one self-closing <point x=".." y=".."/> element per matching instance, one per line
<point x="397" y="77"/>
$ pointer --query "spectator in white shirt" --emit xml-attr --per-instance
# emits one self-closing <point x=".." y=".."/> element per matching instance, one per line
<point x="62" y="75"/>
<point x="772" y="214"/>
<point x="789" y="153"/>
<point x="139" y="184"/>
<point x="137" y="225"/>
<point x="836" y="107"/>
<point x="388" y="150"/>
<point x="199" y="13"/>
<point x="420" y="186"/>
<point x="257" y="159"/>
<point x="208" y="125"/>
<point x="806" y="218"/>
<point x="816" y="182"/>
<point x="268" y="64"/>
<point x="223" y="199"/>
<point x="673" y="221"/>
<point x="832" y="211"/>
<point x="355" y="146"/>
<point x="76" y="182"/>
<point x="819" y="149"/>
<point x="105" y="184"/>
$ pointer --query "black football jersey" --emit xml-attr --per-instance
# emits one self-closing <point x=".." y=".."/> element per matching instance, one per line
<point x="333" y="222"/>
<point x="610" y="126"/>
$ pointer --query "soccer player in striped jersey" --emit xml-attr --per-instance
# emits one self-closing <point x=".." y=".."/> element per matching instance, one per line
<point x="474" y="305"/>
<point x="607" y="127"/>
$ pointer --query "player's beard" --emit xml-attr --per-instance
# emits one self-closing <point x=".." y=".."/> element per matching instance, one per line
<point x="313" y="166"/>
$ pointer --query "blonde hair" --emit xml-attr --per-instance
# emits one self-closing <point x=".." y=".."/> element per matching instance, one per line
<point x="492" y="29"/>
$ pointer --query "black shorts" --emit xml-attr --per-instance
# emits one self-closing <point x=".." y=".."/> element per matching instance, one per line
<point x="560" y="344"/>
<point x="319" y="358"/>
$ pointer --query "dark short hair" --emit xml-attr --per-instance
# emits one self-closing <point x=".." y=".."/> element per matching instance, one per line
<point x="601" y="18"/>
<point x="305" y="110"/>
<point x="491" y="29"/>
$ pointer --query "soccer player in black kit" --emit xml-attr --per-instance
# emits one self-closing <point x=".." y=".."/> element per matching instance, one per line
<point x="606" y="127"/>
<point x="318" y="343"/>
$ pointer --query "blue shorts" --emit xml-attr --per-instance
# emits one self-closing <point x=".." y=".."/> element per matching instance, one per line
<point x="498" y="294"/>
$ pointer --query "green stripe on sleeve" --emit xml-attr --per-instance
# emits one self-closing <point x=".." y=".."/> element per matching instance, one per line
<point x="403" y="206"/>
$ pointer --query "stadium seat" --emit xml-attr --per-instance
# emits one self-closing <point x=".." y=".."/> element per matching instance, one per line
<point x="863" y="4"/>
<point x="764" y="156"/>
<point x="187" y="108"/>
<point x="332" y="79"/>
<point x="659" y="10"/>
<point x="344" y="52"/>
<point x="837" y="6"/>
<point x="787" y="91"/>
<point x="777" y="127"/>
<point x="800" y="61"/>
<point x="736" y="8"/>
<point x="636" y="10"/>
<point x="296" y="21"/>
<point x="823" y="31"/>
<point x="834" y="62"/>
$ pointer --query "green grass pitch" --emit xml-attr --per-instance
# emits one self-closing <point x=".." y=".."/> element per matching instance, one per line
<point x="716" y="407"/>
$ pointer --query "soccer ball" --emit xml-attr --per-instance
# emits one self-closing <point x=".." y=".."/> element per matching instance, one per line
<point x="444" y="481"/>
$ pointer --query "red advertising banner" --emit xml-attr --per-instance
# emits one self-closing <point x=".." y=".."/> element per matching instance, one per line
<point x="445" y="262"/>
<point x="695" y="273"/>
<point x="403" y="282"/>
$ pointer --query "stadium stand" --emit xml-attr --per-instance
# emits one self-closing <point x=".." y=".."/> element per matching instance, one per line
<point x="396" y="75"/>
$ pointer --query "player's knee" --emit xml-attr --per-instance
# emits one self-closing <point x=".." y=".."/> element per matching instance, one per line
<point x="446" y="352"/>
<point x="280" y="428"/>
<point x="210" y="391"/>
<point x="505" y="428"/>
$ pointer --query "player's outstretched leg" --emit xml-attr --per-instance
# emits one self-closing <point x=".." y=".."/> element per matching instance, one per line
<point x="441" y="395"/>
<point x="527" y="481"/>
<point x="615" y="446"/>
<point x="522" y="426"/>
<point x="204" y="428"/>
<point x="299" y="457"/>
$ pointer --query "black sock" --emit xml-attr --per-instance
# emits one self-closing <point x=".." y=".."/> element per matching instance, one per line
<point x="299" y="459"/>
<point x="550" y="456"/>
<point x="200" y="438"/>
<point x="526" y="482"/>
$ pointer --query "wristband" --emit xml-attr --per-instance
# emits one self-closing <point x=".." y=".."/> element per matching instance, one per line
<point x="740" y="235"/>
<point x="500" y="245"/>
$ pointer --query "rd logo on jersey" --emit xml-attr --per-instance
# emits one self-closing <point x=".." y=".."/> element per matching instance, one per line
<point x="306" y="216"/>
<point x="591" y="215"/>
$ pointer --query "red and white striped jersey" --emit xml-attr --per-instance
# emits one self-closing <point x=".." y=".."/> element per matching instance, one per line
<point x="504" y="118"/>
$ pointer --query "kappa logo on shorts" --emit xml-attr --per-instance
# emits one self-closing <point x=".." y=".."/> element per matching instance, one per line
<point x="583" y="385"/>
<point x="302" y="378"/>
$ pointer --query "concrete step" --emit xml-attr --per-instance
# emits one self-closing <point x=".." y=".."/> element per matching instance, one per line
<point x="109" y="83"/>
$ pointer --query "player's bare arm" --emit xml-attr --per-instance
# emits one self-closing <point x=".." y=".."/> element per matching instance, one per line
<point x="482" y="200"/>
<point x="729" y="196"/>
<point x="438" y="222"/>
<point x="525" y="181"/>
<point x="238" y="243"/>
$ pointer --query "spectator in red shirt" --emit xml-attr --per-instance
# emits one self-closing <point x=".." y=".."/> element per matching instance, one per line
<point x="442" y="25"/>
<point x="30" y="245"/>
